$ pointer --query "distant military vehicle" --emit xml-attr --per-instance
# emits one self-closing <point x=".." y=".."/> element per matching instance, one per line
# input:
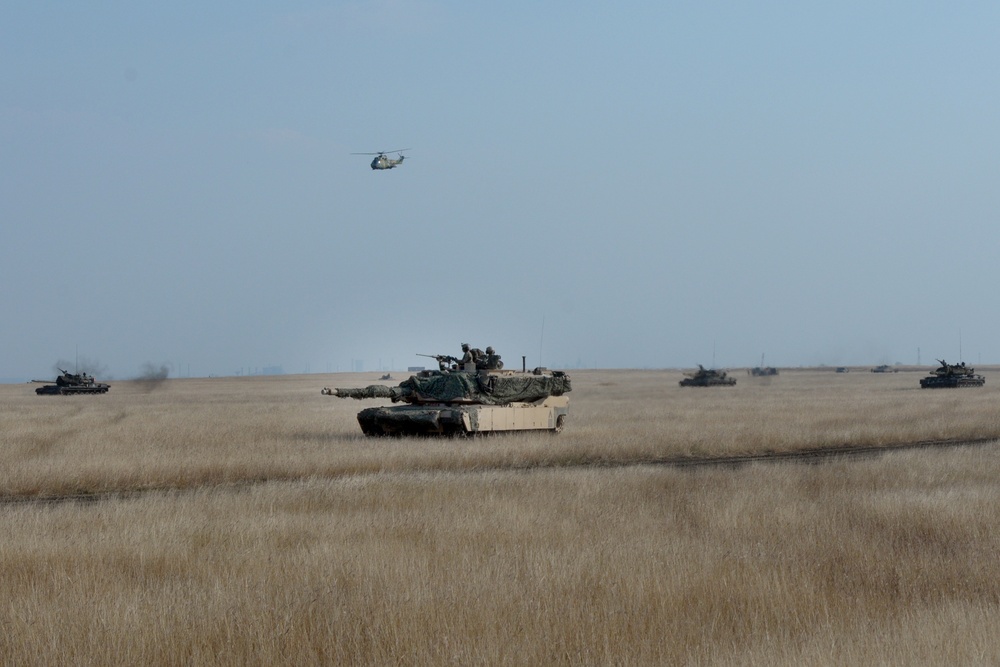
<point x="454" y="402"/>
<point x="885" y="368"/>
<point x="72" y="383"/>
<point x="843" y="369"/>
<point x="705" y="377"/>
<point x="950" y="376"/>
<point x="762" y="370"/>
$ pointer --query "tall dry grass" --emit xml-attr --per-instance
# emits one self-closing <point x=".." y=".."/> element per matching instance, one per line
<point x="888" y="561"/>
<point x="419" y="551"/>
<point x="217" y="431"/>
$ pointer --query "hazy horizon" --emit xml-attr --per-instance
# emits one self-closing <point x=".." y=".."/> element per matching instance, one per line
<point x="644" y="186"/>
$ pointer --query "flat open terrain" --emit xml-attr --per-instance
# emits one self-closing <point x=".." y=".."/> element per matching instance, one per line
<point x="247" y="521"/>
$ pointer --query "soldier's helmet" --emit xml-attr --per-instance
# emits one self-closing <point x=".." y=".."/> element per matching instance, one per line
<point x="490" y="350"/>
<point x="465" y="347"/>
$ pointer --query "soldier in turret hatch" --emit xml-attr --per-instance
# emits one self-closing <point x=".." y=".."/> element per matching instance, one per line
<point x="490" y="361"/>
<point x="468" y="360"/>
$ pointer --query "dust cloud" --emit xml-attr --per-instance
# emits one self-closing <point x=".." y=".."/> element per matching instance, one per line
<point x="152" y="376"/>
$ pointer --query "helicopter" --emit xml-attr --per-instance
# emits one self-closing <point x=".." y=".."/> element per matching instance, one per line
<point x="382" y="161"/>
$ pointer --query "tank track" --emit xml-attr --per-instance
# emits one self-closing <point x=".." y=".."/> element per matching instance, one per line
<point x="934" y="382"/>
<point x="56" y="390"/>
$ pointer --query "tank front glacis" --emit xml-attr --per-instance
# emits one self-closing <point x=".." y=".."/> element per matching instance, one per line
<point x="457" y="402"/>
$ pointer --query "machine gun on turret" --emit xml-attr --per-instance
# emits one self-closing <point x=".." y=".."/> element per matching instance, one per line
<point x="444" y="360"/>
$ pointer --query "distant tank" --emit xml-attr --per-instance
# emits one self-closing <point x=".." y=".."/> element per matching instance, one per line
<point x="705" y="377"/>
<point x="885" y="368"/>
<point x="72" y="383"/>
<point x="762" y="370"/>
<point x="453" y="402"/>
<point x="949" y="376"/>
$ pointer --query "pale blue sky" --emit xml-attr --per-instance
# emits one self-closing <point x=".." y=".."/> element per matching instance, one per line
<point x="655" y="182"/>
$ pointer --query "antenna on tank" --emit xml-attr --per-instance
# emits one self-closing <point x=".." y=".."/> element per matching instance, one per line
<point x="540" y="339"/>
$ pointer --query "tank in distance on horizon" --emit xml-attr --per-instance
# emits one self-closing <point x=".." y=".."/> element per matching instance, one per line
<point x="952" y="376"/>
<point x="705" y="377"/>
<point x="762" y="370"/>
<point x="68" y="384"/>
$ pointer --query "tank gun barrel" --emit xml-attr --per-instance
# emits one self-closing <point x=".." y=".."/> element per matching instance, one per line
<point x="463" y="387"/>
<point x="371" y="391"/>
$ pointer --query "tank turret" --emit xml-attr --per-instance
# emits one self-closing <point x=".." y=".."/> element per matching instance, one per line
<point x="950" y="376"/>
<point x="72" y="383"/>
<point x="707" y="377"/>
<point x="446" y="402"/>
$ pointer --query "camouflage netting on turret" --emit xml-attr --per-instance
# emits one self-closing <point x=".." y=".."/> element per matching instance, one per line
<point x="467" y="388"/>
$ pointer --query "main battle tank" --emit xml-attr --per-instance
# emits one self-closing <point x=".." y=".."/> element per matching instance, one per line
<point x="453" y="402"/>
<point x="949" y="376"/>
<point x="72" y="383"/>
<point x="705" y="377"/>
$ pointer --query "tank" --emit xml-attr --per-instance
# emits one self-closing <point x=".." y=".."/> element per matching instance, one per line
<point x="72" y="383"/>
<point x="762" y="370"/>
<point x="455" y="402"/>
<point x="950" y="376"/>
<point x="705" y="377"/>
<point x="885" y="368"/>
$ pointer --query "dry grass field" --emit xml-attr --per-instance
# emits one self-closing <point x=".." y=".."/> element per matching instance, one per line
<point x="246" y="521"/>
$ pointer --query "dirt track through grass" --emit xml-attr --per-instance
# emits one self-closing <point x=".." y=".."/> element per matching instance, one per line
<point x="791" y="456"/>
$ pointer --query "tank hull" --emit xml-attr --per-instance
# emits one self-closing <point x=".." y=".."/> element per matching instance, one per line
<point x="952" y="381"/>
<point x="708" y="382"/>
<point x="68" y="390"/>
<point x="547" y="414"/>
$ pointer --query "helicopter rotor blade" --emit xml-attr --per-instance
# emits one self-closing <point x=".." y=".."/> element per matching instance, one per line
<point x="398" y="150"/>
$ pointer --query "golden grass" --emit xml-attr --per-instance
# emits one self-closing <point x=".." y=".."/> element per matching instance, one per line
<point x="419" y="551"/>
<point x="191" y="433"/>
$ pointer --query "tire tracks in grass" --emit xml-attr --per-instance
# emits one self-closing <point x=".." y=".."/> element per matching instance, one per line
<point x="814" y="455"/>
